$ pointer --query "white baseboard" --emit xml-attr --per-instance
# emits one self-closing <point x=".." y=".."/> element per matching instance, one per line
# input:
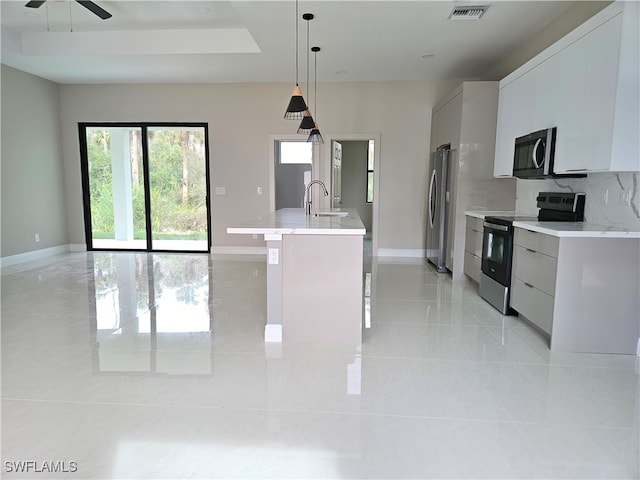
<point x="240" y="250"/>
<point x="401" y="252"/>
<point x="77" y="247"/>
<point x="273" y="333"/>
<point x="34" y="255"/>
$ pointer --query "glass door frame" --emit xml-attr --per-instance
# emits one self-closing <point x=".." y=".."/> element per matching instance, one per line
<point x="144" y="127"/>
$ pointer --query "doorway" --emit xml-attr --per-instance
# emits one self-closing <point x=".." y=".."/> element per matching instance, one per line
<point x="146" y="186"/>
<point x="351" y="163"/>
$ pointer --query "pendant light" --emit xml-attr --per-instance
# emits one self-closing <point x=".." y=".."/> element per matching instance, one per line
<point x="315" y="136"/>
<point x="307" y="123"/>
<point x="297" y="105"/>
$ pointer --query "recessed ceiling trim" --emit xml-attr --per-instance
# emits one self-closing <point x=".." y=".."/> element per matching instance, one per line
<point x="140" y="42"/>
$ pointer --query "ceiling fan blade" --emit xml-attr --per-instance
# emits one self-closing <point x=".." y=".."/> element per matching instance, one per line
<point x="99" y="11"/>
<point x="35" y="3"/>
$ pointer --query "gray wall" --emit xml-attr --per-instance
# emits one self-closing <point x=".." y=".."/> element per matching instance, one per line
<point x="42" y="190"/>
<point x="241" y="146"/>
<point x="354" y="179"/>
<point x="32" y="167"/>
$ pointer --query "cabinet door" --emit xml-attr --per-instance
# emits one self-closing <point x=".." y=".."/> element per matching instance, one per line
<point x="547" y="94"/>
<point x="603" y="47"/>
<point x="505" y="139"/>
<point x="516" y="110"/>
<point x="586" y="103"/>
<point x="571" y="64"/>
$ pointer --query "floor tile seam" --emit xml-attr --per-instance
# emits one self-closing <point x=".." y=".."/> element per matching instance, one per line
<point x="527" y="363"/>
<point x="438" y="324"/>
<point x="631" y="429"/>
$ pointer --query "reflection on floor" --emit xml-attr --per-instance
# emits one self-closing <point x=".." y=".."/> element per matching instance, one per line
<point x="154" y="366"/>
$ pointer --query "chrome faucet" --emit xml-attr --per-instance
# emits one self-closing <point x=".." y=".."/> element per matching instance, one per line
<point x="307" y="207"/>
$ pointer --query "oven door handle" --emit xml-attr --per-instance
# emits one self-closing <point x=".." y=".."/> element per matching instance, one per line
<point x="494" y="226"/>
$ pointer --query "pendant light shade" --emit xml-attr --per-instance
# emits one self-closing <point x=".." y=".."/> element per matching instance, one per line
<point x="307" y="124"/>
<point x="315" y="136"/>
<point x="297" y="105"/>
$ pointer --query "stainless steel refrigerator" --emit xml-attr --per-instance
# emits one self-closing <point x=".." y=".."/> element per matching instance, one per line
<point x="438" y="208"/>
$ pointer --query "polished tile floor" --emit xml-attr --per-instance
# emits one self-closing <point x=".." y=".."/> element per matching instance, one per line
<point x="154" y="366"/>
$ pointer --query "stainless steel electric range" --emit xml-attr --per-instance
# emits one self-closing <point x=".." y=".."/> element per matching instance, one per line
<point x="497" y="244"/>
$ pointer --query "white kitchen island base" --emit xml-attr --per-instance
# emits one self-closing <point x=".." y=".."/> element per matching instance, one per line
<point x="314" y="276"/>
<point x="322" y="288"/>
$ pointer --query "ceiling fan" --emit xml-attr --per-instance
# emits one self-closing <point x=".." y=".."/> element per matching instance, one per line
<point x="92" y="7"/>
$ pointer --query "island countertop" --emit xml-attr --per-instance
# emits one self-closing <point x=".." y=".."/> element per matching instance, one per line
<point x="294" y="221"/>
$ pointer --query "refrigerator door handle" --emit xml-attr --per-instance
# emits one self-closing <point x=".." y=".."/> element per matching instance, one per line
<point x="432" y="193"/>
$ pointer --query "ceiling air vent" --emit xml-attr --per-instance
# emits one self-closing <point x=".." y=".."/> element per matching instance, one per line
<point x="468" y="12"/>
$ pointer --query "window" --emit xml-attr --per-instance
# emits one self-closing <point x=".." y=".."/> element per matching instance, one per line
<point x="295" y="152"/>
<point x="370" y="165"/>
<point x="146" y="186"/>
<point x="292" y="165"/>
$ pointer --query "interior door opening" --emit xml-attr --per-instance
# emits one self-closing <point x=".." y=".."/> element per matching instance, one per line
<point x="146" y="187"/>
<point x="352" y="178"/>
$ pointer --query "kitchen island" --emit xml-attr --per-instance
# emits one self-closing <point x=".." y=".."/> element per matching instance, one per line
<point x="314" y="275"/>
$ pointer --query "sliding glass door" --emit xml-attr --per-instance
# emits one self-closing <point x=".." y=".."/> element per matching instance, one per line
<point x="146" y="186"/>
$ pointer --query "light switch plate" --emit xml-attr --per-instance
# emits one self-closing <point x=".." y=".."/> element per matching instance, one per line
<point x="274" y="256"/>
<point x="221" y="191"/>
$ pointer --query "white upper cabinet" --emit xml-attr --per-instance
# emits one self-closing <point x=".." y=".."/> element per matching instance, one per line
<point x="514" y="99"/>
<point x="586" y="85"/>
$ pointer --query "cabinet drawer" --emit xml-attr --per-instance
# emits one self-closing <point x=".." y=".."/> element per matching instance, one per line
<point x="474" y="223"/>
<point x="533" y="304"/>
<point x="539" y="242"/>
<point x="473" y="242"/>
<point x="472" y="266"/>
<point x="535" y="269"/>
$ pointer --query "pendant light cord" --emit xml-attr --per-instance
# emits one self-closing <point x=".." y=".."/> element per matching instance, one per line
<point x="308" y="21"/>
<point x="315" y="83"/>
<point x="296" y="42"/>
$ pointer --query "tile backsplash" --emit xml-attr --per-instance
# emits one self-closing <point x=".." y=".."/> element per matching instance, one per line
<point x="620" y="208"/>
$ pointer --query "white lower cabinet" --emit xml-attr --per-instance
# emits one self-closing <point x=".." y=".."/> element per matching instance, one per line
<point x="532" y="303"/>
<point x="582" y="291"/>
<point x="533" y="276"/>
<point x="473" y="248"/>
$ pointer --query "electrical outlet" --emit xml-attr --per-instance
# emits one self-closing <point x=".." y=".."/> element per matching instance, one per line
<point x="273" y="256"/>
<point x="625" y="197"/>
<point x="259" y="190"/>
<point x="37" y="237"/>
<point x="221" y="191"/>
<point x="604" y="198"/>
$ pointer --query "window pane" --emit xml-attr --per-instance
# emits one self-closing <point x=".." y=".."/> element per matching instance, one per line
<point x="296" y="152"/>
<point x="116" y="187"/>
<point x="371" y="155"/>
<point x="177" y="178"/>
<point x="369" y="187"/>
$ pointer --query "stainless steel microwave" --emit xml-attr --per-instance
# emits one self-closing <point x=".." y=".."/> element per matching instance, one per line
<point x="535" y="155"/>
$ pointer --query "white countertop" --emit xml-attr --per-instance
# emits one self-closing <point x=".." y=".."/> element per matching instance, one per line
<point x="294" y="221"/>
<point x="578" y="229"/>
<point x="563" y="229"/>
<point x="483" y="213"/>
